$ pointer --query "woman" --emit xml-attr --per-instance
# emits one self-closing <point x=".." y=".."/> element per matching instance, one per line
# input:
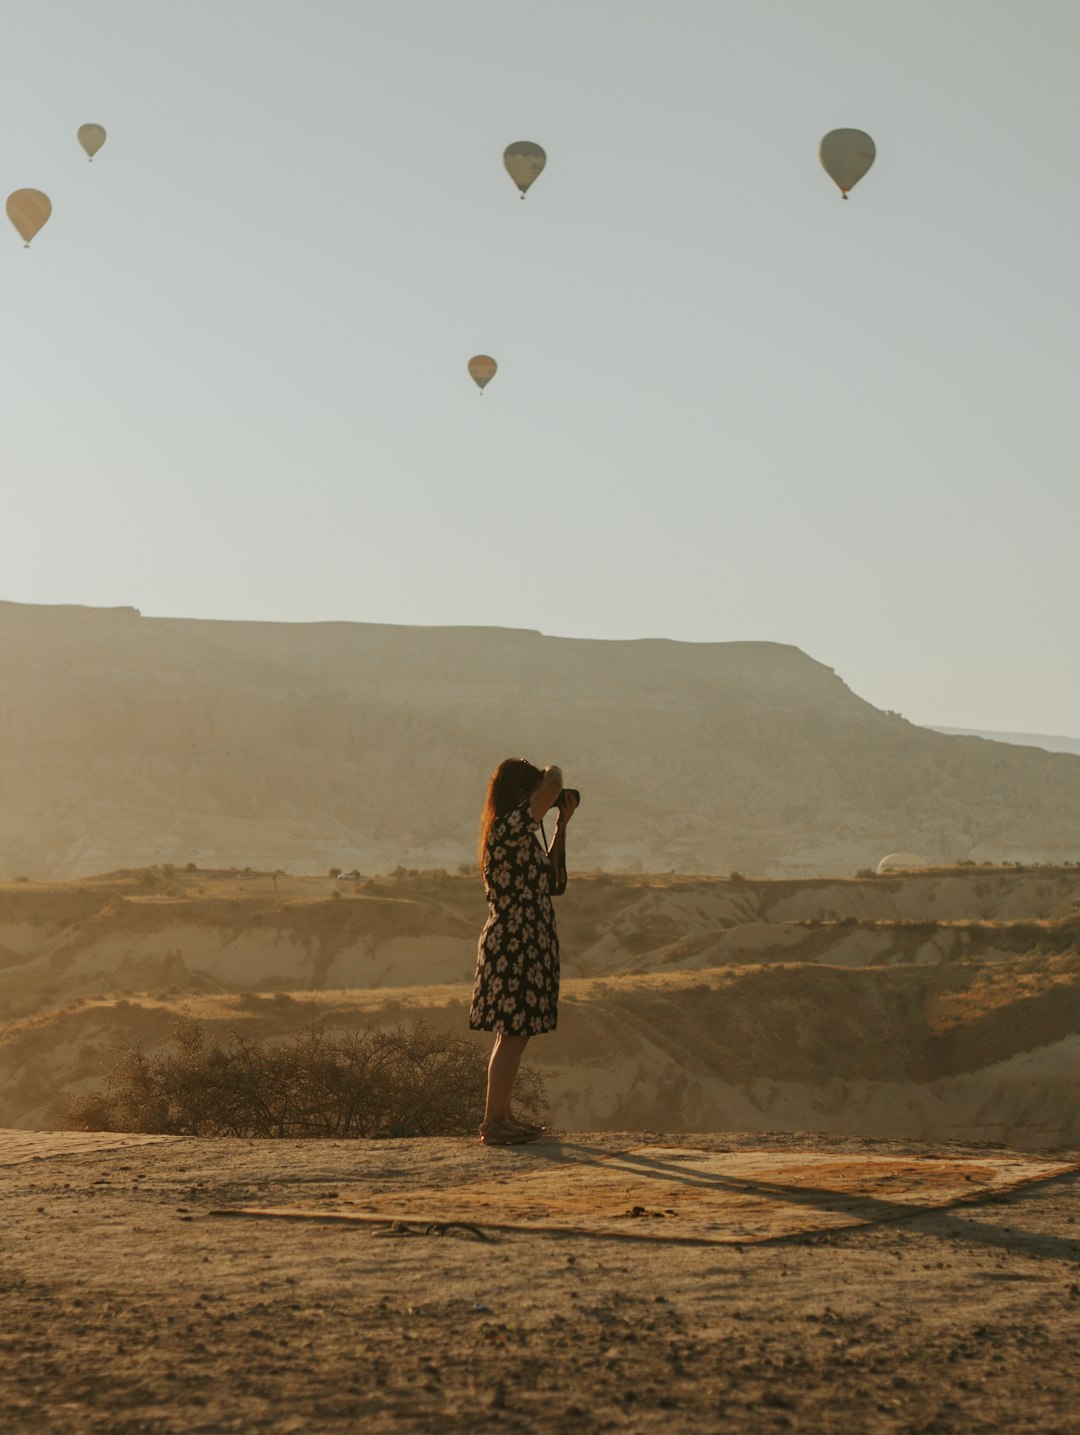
<point x="516" y="993"/>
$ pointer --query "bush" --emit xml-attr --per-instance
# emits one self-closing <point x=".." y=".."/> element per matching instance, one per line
<point x="334" y="872"/>
<point x="866" y="872"/>
<point x="404" y="1081"/>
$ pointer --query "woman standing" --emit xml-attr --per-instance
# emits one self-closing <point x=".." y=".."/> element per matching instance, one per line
<point x="516" y="993"/>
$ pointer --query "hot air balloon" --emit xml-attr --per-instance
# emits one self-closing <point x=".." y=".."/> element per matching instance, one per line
<point x="482" y="368"/>
<point x="524" y="162"/>
<point x="846" y="156"/>
<point x="28" y="209"/>
<point x="91" y="137"/>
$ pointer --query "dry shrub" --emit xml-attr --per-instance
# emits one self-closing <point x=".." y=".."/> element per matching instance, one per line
<point x="401" y="1081"/>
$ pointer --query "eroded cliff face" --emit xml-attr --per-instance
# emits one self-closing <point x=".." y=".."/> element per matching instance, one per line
<point x="126" y="740"/>
<point x="931" y="1005"/>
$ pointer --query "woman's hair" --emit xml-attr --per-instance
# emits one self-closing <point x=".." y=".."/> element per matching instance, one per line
<point x="511" y="783"/>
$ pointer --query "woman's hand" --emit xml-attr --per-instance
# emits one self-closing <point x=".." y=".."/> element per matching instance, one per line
<point x="567" y="806"/>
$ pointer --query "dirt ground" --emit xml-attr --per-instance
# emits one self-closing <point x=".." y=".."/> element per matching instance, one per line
<point x="127" y="1307"/>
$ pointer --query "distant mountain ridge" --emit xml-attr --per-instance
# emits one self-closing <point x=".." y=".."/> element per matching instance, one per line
<point x="127" y="740"/>
<point x="1019" y="739"/>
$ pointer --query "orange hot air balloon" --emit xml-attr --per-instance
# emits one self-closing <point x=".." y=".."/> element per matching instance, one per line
<point x="482" y="368"/>
<point x="28" y="209"/>
<point x="91" y="137"/>
<point x="524" y="162"/>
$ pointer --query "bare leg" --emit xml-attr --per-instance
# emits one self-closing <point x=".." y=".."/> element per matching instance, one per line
<point x="506" y="1057"/>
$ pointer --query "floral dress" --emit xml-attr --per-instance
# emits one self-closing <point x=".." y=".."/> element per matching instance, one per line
<point x="517" y="965"/>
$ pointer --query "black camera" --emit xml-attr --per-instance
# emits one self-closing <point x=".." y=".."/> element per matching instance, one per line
<point x="568" y="791"/>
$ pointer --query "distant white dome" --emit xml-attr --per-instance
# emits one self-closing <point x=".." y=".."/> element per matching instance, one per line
<point x="899" y="861"/>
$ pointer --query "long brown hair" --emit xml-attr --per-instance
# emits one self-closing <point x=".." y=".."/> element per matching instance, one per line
<point x="511" y="783"/>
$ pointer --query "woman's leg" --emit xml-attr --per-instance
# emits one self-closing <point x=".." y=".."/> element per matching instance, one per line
<point x="502" y="1069"/>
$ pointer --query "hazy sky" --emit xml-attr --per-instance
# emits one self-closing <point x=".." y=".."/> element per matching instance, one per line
<point x="728" y="406"/>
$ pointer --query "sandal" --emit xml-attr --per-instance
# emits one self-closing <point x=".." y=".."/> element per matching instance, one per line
<point x="506" y="1133"/>
<point x="533" y="1128"/>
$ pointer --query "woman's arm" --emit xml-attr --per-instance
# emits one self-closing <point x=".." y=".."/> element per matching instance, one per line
<point x="546" y="795"/>
<point x="567" y="805"/>
<point x="557" y="849"/>
<point x="557" y="860"/>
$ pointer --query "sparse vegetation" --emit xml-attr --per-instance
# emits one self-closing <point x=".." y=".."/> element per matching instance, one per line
<point x="197" y="948"/>
<point x="334" y="872"/>
<point x="404" y="1081"/>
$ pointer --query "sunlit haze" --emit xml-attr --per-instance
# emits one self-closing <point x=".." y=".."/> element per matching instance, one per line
<point x="729" y="405"/>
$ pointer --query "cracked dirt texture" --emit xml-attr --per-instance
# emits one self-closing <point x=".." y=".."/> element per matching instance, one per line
<point x="128" y="1308"/>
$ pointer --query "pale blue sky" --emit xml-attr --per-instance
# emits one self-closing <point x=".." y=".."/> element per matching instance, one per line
<point x="729" y="405"/>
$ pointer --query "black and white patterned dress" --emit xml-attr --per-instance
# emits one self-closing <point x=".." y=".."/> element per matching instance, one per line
<point x="517" y="966"/>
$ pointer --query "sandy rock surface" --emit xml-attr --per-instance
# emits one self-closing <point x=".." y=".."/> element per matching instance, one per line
<point x="934" y="1006"/>
<point x="128" y="1307"/>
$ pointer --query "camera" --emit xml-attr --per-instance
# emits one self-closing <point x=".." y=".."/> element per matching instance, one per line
<point x="572" y="792"/>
